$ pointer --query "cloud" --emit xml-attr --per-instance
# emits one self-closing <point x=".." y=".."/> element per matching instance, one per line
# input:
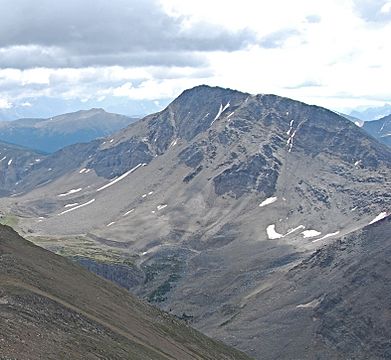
<point x="5" y="104"/>
<point x="305" y="84"/>
<point x="77" y="33"/>
<point x="277" y="39"/>
<point x="375" y="11"/>
<point x="313" y="19"/>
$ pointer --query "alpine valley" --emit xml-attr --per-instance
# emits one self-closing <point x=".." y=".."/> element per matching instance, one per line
<point x="261" y="221"/>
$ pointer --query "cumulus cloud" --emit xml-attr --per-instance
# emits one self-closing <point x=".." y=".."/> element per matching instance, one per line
<point x="77" y="33"/>
<point x="376" y="11"/>
<point x="277" y="39"/>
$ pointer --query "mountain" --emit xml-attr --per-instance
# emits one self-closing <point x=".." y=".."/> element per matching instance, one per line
<point x="194" y="208"/>
<point x="380" y="129"/>
<point x="374" y="113"/>
<point x="330" y="306"/>
<point x="355" y="120"/>
<point x="15" y="162"/>
<point x="45" y="107"/>
<point x="49" y="135"/>
<point x="51" y="309"/>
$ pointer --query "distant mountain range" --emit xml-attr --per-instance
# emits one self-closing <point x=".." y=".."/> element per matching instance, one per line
<point x="199" y="207"/>
<point x="49" y="135"/>
<point x="373" y="113"/>
<point x="46" y="107"/>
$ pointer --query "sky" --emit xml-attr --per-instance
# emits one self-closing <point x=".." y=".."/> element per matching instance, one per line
<point x="119" y="54"/>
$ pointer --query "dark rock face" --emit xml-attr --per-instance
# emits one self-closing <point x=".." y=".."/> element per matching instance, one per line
<point x="192" y="156"/>
<point x="114" y="161"/>
<point x="255" y="174"/>
<point x="126" y="276"/>
<point x="196" y="109"/>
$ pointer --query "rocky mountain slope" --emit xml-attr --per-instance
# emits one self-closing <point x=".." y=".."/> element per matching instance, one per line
<point x="333" y="305"/>
<point x="380" y="129"/>
<point x="15" y="163"/>
<point x="194" y="207"/>
<point x="49" y="135"/>
<point x="52" y="309"/>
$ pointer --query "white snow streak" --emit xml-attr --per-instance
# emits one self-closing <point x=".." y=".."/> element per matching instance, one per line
<point x="112" y="223"/>
<point x="71" y="205"/>
<point x="161" y="207"/>
<point x="77" y="207"/>
<point x="221" y="110"/>
<point x="173" y="142"/>
<point x="310" y="233"/>
<point x="290" y="127"/>
<point x="379" y="217"/>
<point x="9" y="162"/>
<point x="123" y="176"/>
<point x="3" y="158"/>
<point x="72" y="191"/>
<point x="82" y="171"/>
<point x="326" y="236"/>
<point x="268" y="201"/>
<point x="128" y="212"/>
<point x="272" y="233"/>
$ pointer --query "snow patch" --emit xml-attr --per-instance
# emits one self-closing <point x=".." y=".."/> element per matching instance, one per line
<point x="9" y="162"/>
<point x="173" y="142"/>
<point x="82" y="171"/>
<point x="71" y="205"/>
<point x="144" y="196"/>
<point x="109" y="224"/>
<point x="150" y="193"/>
<point x="77" y="207"/>
<point x="379" y="217"/>
<point x="310" y="233"/>
<point x="123" y="176"/>
<point x="128" y="212"/>
<point x="310" y="304"/>
<point x="290" y="127"/>
<point x="161" y="207"/>
<point x="221" y="110"/>
<point x="326" y="236"/>
<point x="268" y="201"/>
<point x="272" y="233"/>
<point x="72" y="191"/>
<point x="3" y="158"/>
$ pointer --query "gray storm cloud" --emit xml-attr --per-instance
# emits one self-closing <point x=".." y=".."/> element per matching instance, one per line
<point x="99" y="32"/>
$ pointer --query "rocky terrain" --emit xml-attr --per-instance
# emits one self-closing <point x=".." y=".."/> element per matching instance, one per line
<point x="332" y="305"/>
<point x="53" y="309"/>
<point x="196" y="208"/>
<point x="52" y="134"/>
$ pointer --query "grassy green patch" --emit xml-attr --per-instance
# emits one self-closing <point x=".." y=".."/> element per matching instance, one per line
<point x="10" y="220"/>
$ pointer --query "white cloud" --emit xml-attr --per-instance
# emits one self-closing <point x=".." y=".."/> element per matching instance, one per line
<point x="294" y="46"/>
<point x="5" y="104"/>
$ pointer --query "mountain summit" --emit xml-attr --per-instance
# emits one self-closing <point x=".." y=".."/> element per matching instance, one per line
<point x="196" y="208"/>
<point x="52" y="134"/>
